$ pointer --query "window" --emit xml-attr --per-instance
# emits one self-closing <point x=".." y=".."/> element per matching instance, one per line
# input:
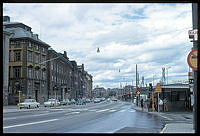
<point x="37" y="75"/>
<point x="43" y="50"/>
<point x="43" y="59"/>
<point x="17" y="72"/>
<point x="30" y="56"/>
<point x="43" y="75"/>
<point x="52" y="66"/>
<point x="9" y="55"/>
<point x="30" y="45"/>
<point x="52" y="78"/>
<point x="17" y="44"/>
<point x="37" y="47"/>
<point x="30" y="72"/>
<point x="17" y="55"/>
<point x="36" y="58"/>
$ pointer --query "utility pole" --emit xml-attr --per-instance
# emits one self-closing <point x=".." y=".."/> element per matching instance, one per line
<point x="195" y="46"/>
<point x="136" y="87"/>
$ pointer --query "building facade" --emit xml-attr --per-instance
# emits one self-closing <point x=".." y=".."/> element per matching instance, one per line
<point x="59" y="75"/>
<point x="27" y="73"/>
<point x="6" y="37"/>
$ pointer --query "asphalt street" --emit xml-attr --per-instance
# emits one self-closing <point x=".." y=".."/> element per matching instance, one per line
<point x="104" y="117"/>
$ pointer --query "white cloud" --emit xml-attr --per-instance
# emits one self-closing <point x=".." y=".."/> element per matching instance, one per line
<point x="150" y="35"/>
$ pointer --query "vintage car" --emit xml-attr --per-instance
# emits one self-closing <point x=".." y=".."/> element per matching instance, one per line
<point x="29" y="103"/>
<point x="51" y="102"/>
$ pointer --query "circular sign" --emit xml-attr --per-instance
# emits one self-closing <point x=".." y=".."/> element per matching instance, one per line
<point x="192" y="59"/>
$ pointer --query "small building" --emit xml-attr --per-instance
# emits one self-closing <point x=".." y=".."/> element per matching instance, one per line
<point x="177" y="95"/>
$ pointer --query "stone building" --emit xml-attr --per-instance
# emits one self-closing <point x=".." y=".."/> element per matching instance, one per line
<point x="75" y="80"/>
<point x="27" y="73"/>
<point x="59" y="75"/>
<point x="6" y="37"/>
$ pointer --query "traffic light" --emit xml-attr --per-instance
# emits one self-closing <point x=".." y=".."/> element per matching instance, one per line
<point x="150" y="87"/>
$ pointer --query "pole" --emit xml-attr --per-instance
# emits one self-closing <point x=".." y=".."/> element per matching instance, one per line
<point x="195" y="46"/>
<point x="153" y="102"/>
<point x="55" y="100"/>
<point x="19" y="96"/>
<point x="158" y="103"/>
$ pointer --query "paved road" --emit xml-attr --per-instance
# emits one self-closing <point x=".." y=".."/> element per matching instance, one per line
<point x="104" y="117"/>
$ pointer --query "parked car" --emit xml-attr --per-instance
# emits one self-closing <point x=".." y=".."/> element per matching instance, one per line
<point x="114" y="99"/>
<point x="51" y="102"/>
<point x="97" y="100"/>
<point x="73" y="101"/>
<point x="81" y="102"/>
<point x="29" y="103"/>
<point x="65" y="102"/>
<point x="88" y="100"/>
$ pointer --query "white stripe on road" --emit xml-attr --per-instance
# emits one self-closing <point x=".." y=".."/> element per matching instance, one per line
<point x="132" y="111"/>
<point x="166" y="117"/>
<point x="72" y="113"/>
<point x="112" y="110"/>
<point x="30" y="123"/>
<point x="122" y="111"/>
<point x="102" y="110"/>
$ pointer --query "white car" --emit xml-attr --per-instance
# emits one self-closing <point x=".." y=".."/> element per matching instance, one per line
<point x="51" y="102"/>
<point x="29" y="103"/>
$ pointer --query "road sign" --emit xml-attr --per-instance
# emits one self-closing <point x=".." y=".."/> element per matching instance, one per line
<point x="193" y="32"/>
<point x="192" y="59"/>
<point x="158" y="88"/>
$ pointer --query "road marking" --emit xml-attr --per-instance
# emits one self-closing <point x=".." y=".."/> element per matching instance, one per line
<point x="30" y="123"/>
<point x="163" y="130"/>
<point x="93" y="110"/>
<point x="72" y="113"/>
<point x="112" y="110"/>
<point x="102" y="110"/>
<point x="122" y="110"/>
<point x="132" y="111"/>
<point x="166" y="117"/>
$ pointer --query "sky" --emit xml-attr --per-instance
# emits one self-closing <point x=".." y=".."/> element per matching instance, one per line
<point x="151" y="35"/>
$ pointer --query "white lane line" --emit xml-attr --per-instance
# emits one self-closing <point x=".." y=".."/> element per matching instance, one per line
<point x="112" y="110"/>
<point x="93" y="110"/>
<point x="102" y="110"/>
<point x="72" y="113"/>
<point x="30" y="123"/>
<point x="122" y="110"/>
<point x="166" y="117"/>
<point x="132" y="111"/>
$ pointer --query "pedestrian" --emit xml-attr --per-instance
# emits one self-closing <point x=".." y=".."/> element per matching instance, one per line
<point x="160" y="104"/>
<point x="165" y="104"/>
<point x="142" y="104"/>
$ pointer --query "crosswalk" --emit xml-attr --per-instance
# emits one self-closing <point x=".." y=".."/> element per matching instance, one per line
<point x="100" y="110"/>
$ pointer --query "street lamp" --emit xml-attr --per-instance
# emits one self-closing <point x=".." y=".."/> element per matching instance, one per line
<point x="167" y="73"/>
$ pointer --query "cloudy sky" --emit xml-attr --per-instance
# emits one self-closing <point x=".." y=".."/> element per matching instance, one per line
<point x="151" y="35"/>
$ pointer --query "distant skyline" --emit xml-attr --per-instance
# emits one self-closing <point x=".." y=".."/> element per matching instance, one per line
<point x="151" y="35"/>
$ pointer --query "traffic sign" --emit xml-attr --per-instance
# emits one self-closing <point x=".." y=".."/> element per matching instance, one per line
<point x="193" y="32"/>
<point x="158" y="88"/>
<point x="192" y="59"/>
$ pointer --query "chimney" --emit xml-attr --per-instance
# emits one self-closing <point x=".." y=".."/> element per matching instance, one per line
<point x="65" y="54"/>
<point x="6" y="19"/>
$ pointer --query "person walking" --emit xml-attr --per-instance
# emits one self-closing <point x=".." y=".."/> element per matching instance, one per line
<point x="142" y="104"/>
<point x="165" y="104"/>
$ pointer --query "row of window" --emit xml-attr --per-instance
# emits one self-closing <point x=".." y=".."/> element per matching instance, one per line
<point x="58" y="80"/>
<point x="59" y="69"/>
<point x="31" y="45"/>
<point x="37" y="57"/>
<point x="31" y="73"/>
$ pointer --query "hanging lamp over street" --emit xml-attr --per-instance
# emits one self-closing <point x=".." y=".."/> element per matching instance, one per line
<point x="98" y="50"/>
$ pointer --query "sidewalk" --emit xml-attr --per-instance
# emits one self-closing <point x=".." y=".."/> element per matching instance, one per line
<point x="172" y="127"/>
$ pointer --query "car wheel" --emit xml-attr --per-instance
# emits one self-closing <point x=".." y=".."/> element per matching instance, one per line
<point x="20" y="107"/>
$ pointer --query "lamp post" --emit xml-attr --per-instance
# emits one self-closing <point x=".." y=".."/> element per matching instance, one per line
<point x="167" y="73"/>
